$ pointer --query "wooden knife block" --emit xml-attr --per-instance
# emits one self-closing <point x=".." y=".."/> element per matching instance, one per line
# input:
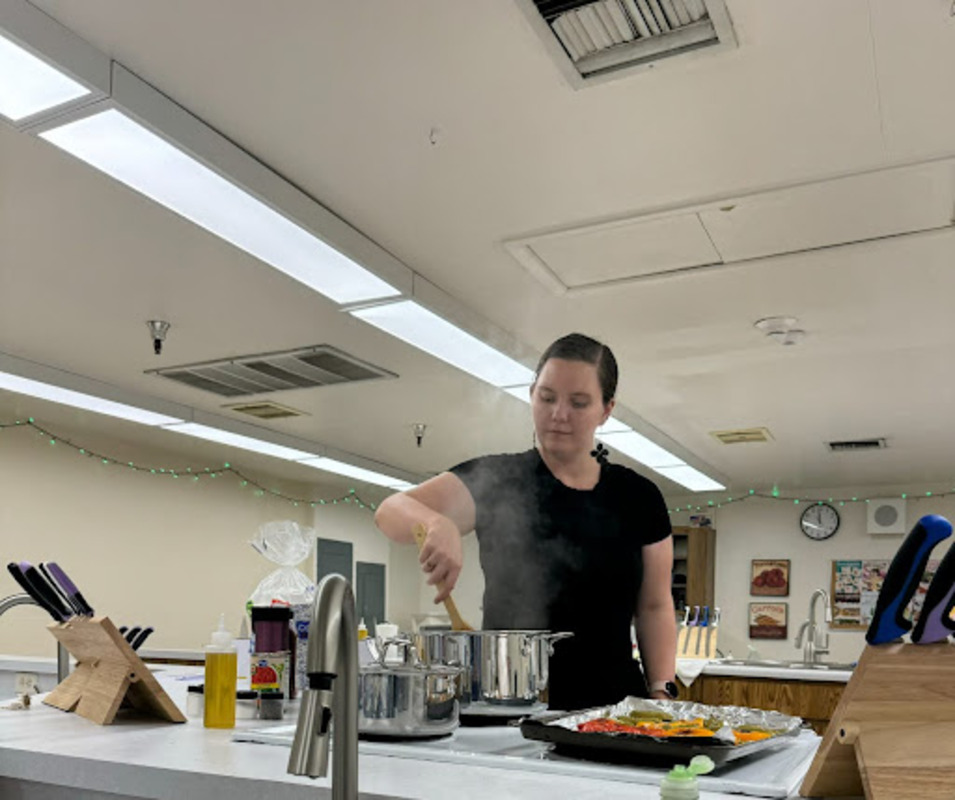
<point x="107" y="672"/>
<point x="892" y="736"/>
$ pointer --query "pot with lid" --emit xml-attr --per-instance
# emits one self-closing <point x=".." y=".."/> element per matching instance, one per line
<point x="408" y="698"/>
<point x="501" y="667"/>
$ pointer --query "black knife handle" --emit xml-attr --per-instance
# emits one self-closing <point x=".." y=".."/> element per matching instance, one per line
<point x="38" y="598"/>
<point x="58" y="590"/>
<point x="38" y="582"/>
<point x="934" y="623"/>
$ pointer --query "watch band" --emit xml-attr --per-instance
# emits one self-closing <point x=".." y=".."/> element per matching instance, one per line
<point x="669" y="687"/>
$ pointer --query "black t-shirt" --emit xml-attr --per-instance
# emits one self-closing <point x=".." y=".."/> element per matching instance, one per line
<point x="565" y="559"/>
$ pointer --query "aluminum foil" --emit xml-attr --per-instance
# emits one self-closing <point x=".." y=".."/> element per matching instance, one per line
<point x="731" y="716"/>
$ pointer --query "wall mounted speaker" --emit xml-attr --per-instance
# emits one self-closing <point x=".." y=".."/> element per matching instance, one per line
<point x="886" y="515"/>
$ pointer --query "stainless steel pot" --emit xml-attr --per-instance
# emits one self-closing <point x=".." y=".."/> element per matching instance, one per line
<point x="504" y="667"/>
<point x="408" y="699"/>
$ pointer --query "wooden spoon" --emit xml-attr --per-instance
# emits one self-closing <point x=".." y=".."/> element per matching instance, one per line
<point x="420" y="533"/>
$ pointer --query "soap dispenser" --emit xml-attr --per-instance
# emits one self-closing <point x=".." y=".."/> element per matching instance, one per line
<point x="221" y="666"/>
<point x="680" y="782"/>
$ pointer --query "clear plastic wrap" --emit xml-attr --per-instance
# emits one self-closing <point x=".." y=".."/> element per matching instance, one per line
<point x="287" y="544"/>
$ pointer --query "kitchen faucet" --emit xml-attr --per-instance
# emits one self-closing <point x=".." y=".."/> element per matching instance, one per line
<point x="62" y="656"/>
<point x="332" y="693"/>
<point x="817" y="642"/>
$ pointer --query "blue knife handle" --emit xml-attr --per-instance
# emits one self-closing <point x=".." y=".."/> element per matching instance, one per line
<point x="902" y="579"/>
<point x="706" y="617"/>
<point x="934" y="624"/>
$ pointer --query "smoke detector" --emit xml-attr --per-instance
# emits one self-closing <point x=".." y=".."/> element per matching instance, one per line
<point x="782" y="330"/>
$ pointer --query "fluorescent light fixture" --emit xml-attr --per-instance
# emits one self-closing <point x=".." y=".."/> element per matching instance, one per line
<point x="401" y="486"/>
<point x="88" y="402"/>
<point x="641" y="449"/>
<point x="237" y="440"/>
<point x="613" y="426"/>
<point x="125" y="150"/>
<point x="691" y="478"/>
<point x="414" y="324"/>
<point x="522" y="392"/>
<point x="351" y="471"/>
<point x="30" y="85"/>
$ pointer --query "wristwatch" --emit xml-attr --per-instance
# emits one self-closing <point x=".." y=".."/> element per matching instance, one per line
<point x="669" y="687"/>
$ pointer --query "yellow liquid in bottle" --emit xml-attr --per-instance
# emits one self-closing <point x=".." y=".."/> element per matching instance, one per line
<point x="220" y="689"/>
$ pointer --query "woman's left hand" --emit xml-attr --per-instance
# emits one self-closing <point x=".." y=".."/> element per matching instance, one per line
<point x="659" y="696"/>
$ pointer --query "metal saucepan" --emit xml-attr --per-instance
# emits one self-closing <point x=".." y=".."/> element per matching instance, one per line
<point x="408" y="699"/>
<point x="504" y="667"/>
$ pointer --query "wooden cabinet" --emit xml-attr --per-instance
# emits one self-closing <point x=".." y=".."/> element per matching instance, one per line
<point x="814" y="701"/>
<point x="694" y="562"/>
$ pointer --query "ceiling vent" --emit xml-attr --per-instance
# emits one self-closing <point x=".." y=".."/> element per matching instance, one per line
<point x="305" y="368"/>
<point x="743" y="436"/>
<point x="594" y="39"/>
<point x="265" y="409"/>
<point x="855" y="445"/>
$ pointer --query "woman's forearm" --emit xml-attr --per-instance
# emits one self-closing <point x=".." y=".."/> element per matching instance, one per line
<point x="656" y="636"/>
<point x="399" y="513"/>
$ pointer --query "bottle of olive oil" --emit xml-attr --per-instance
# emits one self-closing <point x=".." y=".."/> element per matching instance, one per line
<point x="221" y="669"/>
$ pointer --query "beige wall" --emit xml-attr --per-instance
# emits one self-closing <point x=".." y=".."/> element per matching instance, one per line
<point x="764" y="528"/>
<point x="146" y="549"/>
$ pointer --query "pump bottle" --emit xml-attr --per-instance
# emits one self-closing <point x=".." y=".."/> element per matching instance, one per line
<point x="220" y="679"/>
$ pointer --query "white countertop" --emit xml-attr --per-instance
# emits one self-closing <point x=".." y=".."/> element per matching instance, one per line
<point x="780" y="672"/>
<point x="161" y="760"/>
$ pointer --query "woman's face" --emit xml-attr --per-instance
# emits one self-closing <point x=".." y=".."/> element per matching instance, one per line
<point x="568" y="406"/>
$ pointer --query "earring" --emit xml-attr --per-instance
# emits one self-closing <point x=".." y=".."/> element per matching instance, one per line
<point x="534" y="439"/>
<point x="600" y="453"/>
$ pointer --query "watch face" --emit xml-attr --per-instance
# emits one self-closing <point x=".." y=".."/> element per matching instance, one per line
<point x="819" y="521"/>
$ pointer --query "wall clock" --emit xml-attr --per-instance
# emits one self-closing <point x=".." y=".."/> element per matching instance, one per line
<point x="819" y="521"/>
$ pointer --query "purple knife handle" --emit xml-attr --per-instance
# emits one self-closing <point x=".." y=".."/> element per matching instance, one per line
<point x="64" y="580"/>
<point x="696" y="617"/>
<point x="43" y="591"/>
<point x="933" y="624"/>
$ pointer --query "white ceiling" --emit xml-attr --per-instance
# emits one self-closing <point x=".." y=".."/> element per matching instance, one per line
<point x="344" y="100"/>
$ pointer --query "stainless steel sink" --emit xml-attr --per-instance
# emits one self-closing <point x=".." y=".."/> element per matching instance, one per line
<point x="770" y="664"/>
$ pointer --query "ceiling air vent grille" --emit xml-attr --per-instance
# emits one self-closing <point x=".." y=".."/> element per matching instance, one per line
<point x="265" y="409"/>
<point x="743" y="436"/>
<point x="304" y="368"/>
<point x="610" y="35"/>
<point x="856" y="445"/>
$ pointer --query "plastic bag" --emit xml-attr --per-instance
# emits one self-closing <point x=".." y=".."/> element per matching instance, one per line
<point x="285" y="543"/>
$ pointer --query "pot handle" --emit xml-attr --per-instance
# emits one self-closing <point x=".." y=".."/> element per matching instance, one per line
<point x="399" y="641"/>
<point x="550" y="638"/>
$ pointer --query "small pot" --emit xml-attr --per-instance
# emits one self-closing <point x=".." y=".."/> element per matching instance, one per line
<point x="408" y="699"/>
<point x="503" y="667"/>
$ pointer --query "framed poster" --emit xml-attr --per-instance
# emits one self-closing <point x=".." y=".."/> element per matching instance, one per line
<point x="769" y="577"/>
<point x="768" y="620"/>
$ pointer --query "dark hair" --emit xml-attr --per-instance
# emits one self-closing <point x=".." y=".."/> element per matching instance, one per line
<point x="577" y="347"/>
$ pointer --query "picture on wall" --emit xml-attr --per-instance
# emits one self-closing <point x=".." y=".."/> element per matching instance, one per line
<point x="768" y="620"/>
<point x="770" y="577"/>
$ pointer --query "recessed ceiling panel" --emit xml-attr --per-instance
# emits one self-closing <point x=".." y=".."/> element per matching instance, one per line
<point x="617" y="251"/>
<point x="853" y="209"/>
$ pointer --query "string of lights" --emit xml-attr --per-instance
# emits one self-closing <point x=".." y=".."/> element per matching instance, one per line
<point x="775" y="494"/>
<point x="194" y="474"/>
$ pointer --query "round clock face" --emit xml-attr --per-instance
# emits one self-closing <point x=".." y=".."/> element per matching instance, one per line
<point x="819" y="521"/>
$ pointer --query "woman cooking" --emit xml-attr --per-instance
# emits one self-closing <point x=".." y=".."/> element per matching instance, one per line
<point x="567" y="541"/>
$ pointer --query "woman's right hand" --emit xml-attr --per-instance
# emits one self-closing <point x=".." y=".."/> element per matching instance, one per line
<point x="441" y="556"/>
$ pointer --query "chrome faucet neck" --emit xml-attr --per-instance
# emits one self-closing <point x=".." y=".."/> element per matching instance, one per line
<point x="62" y="656"/>
<point x="329" y="707"/>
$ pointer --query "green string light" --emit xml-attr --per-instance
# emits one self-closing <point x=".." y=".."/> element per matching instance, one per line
<point x="351" y="497"/>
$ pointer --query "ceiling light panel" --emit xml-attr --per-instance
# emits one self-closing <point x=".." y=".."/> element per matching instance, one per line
<point x="690" y="478"/>
<point x="115" y="144"/>
<point x="238" y="440"/>
<point x="144" y="140"/>
<point x="358" y="473"/>
<point x="88" y="402"/>
<point x="640" y="448"/>
<point x="419" y="327"/>
<point x="46" y="68"/>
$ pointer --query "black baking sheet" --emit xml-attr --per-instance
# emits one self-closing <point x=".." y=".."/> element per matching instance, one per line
<point x="637" y="749"/>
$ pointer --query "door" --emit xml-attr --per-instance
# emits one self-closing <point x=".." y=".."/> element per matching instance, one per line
<point x="333" y="557"/>
<point x="370" y="593"/>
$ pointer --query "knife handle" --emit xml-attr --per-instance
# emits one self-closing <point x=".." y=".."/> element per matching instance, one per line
<point x="706" y="617"/>
<point x="138" y="641"/>
<point x="70" y="588"/>
<point x="902" y="579"/>
<point x="61" y="593"/>
<point x="43" y="593"/>
<point x="934" y="624"/>
<point x="696" y="617"/>
<point x="18" y="576"/>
